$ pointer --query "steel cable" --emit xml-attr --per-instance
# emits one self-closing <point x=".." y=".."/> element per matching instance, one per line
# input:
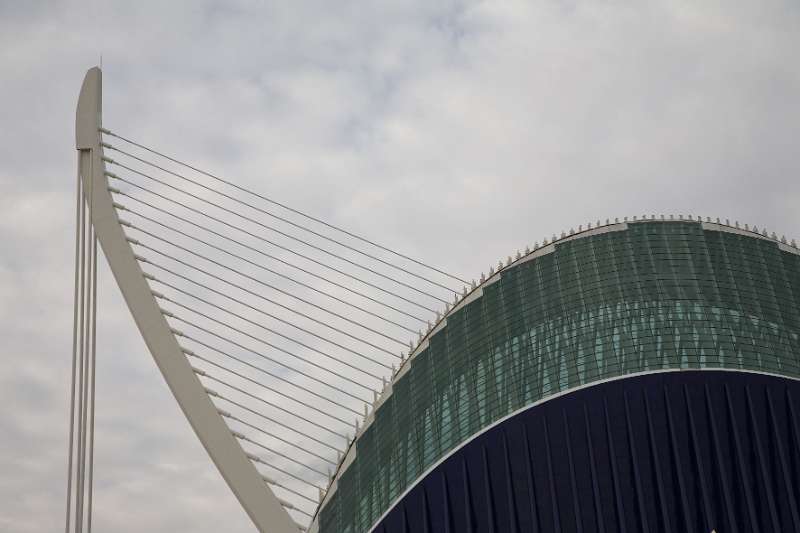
<point x="268" y="256"/>
<point x="284" y="206"/>
<point x="270" y="228"/>
<point x="252" y="293"/>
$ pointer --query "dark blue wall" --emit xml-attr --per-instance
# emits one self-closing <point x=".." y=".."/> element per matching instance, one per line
<point x="674" y="451"/>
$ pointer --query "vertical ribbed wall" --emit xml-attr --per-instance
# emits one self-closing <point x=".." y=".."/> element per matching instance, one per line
<point x="666" y="452"/>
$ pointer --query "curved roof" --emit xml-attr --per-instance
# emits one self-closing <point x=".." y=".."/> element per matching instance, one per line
<point x="469" y="296"/>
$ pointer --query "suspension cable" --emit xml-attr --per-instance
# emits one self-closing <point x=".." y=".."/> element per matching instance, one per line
<point x="268" y="418"/>
<point x="241" y="332"/>
<point x="284" y="206"/>
<point x="268" y="256"/>
<point x="226" y="414"/>
<point x="267" y="402"/>
<point x="279" y="393"/>
<point x="260" y="282"/>
<point x="191" y="353"/>
<point x="276" y="217"/>
<point x="226" y="354"/>
<point x="263" y="239"/>
<point x="252" y="293"/>
<point x="270" y="228"/>
<point x="267" y="328"/>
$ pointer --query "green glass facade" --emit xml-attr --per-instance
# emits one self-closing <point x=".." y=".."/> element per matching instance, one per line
<point x="652" y="296"/>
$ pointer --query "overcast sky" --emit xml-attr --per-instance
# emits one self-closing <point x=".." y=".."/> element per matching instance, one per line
<point x="456" y="131"/>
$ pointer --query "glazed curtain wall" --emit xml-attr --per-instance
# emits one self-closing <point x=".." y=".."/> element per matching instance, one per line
<point x="657" y="295"/>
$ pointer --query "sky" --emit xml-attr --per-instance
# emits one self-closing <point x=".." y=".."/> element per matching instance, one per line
<point x="455" y="131"/>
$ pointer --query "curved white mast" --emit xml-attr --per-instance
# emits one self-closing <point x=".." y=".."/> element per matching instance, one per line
<point x="245" y="481"/>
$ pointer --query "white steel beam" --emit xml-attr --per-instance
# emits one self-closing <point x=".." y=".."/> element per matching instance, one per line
<point x="258" y="501"/>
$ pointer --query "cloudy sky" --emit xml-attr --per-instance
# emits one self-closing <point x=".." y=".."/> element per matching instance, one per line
<point x="456" y="131"/>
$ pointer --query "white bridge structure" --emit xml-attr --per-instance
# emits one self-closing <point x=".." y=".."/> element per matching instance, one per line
<point x="274" y="330"/>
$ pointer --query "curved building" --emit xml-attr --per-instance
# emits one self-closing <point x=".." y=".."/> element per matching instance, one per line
<point x="634" y="377"/>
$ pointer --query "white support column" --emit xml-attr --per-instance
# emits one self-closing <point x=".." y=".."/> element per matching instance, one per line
<point x="258" y="501"/>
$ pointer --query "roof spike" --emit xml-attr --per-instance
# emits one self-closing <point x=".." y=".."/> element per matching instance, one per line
<point x="747" y="227"/>
<point x="624" y="219"/>
<point x="473" y="284"/>
<point x="598" y="222"/>
<point x="527" y="250"/>
<point x="662" y="217"/>
<point x="464" y="291"/>
<point x="737" y="223"/>
<point x="783" y="239"/>
<point x="571" y="231"/>
<point x="447" y="307"/>
<point x="606" y="222"/>
<point x="519" y="254"/>
<point x="509" y="260"/>
<point x="563" y="234"/>
<point x="616" y="220"/>
<point x="717" y="220"/>
<point x="794" y="244"/>
<point x="634" y="218"/>
<point x="491" y="271"/>
<point x="671" y="217"/>
<point x="483" y="277"/>
<point x="580" y="228"/>
<point x="588" y="226"/>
